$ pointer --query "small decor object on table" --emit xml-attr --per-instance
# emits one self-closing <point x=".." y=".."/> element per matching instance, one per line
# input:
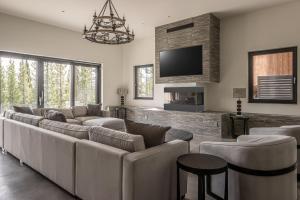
<point x="242" y="118"/>
<point x="239" y="93"/>
<point x="122" y="92"/>
<point x="204" y="166"/>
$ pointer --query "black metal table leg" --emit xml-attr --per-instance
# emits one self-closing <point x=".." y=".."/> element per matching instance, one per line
<point x="201" y="187"/>
<point x="178" y="183"/>
<point x="226" y="185"/>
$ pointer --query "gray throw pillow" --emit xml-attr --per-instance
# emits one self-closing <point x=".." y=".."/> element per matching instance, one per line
<point x="23" y="109"/>
<point x="94" y="109"/>
<point x="55" y="116"/>
<point x="153" y="135"/>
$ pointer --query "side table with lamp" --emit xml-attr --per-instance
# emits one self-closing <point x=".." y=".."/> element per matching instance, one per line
<point x="239" y="93"/>
<point x="120" y="111"/>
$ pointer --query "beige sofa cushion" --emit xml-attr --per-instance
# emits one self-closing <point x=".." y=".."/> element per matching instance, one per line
<point x="118" y="139"/>
<point x="79" y="111"/>
<point x="68" y="113"/>
<point x="37" y="111"/>
<point x="28" y="119"/>
<point x="74" y="121"/>
<point x="77" y="131"/>
<point x="86" y="118"/>
<point x="107" y="122"/>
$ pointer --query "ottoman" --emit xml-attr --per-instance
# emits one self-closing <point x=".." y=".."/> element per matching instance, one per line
<point x="107" y="122"/>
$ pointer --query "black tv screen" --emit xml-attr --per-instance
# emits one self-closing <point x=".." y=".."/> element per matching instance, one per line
<point x="181" y="62"/>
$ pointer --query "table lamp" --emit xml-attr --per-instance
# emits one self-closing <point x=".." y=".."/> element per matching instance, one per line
<point x="122" y="92"/>
<point x="239" y="93"/>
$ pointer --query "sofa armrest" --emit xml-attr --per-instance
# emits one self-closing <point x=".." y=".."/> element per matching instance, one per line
<point x="151" y="174"/>
<point x="98" y="171"/>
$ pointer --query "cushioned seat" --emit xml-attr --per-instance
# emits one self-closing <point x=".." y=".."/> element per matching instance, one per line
<point x="86" y="118"/>
<point x="107" y="122"/>
<point x="260" y="167"/>
<point x="74" y="121"/>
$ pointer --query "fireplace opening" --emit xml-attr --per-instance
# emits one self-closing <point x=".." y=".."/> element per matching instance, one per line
<point x="189" y="99"/>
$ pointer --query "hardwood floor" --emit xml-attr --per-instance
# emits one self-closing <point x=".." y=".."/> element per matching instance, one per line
<point x="22" y="183"/>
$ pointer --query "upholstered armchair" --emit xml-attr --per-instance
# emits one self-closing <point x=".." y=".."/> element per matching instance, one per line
<point x="260" y="167"/>
<point x="292" y="130"/>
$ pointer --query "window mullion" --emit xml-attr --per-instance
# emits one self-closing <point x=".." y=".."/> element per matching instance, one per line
<point x="40" y="83"/>
<point x="72" y="96"/>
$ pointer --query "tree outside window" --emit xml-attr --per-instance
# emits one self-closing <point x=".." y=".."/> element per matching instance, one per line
<point x="144" y="82"/>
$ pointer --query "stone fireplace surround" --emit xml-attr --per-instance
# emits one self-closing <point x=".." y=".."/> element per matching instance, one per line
<point x="202" y="30"/>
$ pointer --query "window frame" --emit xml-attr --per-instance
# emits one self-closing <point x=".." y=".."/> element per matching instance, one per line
<point x="250" y="75"/>
<point x="40" y="74"/>
<point x="136" y="85"/>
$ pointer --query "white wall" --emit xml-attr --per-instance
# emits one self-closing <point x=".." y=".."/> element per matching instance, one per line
<point x="265" y="29"/>
<point x="24" y="36"/>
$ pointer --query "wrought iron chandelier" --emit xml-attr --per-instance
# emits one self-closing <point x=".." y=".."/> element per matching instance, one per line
<point x="108" y="27"/>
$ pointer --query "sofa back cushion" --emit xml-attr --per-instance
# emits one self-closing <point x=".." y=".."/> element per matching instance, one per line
<point x="37" y="111"/>
<point x="118" y="139"/>
<point x="153" y="135"/>
<point x="27" y="118"/>
<point x="94" y="110"/>
<point x="77" y="131"/>
<point x="55" y="116"/>
<point x="68" y="113"/>
<point x="79" y="111"/>
<point x="23" y="109"/>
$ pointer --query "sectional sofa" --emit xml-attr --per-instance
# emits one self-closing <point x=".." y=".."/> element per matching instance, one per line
<point x="92" y="170"/>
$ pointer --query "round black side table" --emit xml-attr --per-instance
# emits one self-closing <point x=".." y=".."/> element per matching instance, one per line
<point x="202" y="165"/>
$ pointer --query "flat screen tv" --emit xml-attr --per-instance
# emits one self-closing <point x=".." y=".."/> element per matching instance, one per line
<point x="181" y="62"/>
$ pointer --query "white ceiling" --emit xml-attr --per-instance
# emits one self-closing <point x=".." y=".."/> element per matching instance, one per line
<point x="141" y="15"/>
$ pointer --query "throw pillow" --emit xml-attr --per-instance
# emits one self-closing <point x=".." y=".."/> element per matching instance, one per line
<point x="55" y="116"/>
<point x="25" y="109"/>
<point x="153" y="135"/>
<point x="79" y="111"/>
<point x="94" y="109"/>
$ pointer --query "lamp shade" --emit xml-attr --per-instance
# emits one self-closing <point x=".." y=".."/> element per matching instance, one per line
<point x="122" y="91"/>
<point x="239" y="92"/>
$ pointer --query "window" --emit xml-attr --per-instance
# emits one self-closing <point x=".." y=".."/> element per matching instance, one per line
<point x="18" y="83"/>
<point x="47" y="82"/>
<point x="85" y="85"/>
<point x="144" y="82"/>
<point x="57" y="85"/>
<point x="273" y="76"/>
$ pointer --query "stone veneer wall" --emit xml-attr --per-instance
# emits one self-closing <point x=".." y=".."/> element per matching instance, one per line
<point x="206" y="32"/>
